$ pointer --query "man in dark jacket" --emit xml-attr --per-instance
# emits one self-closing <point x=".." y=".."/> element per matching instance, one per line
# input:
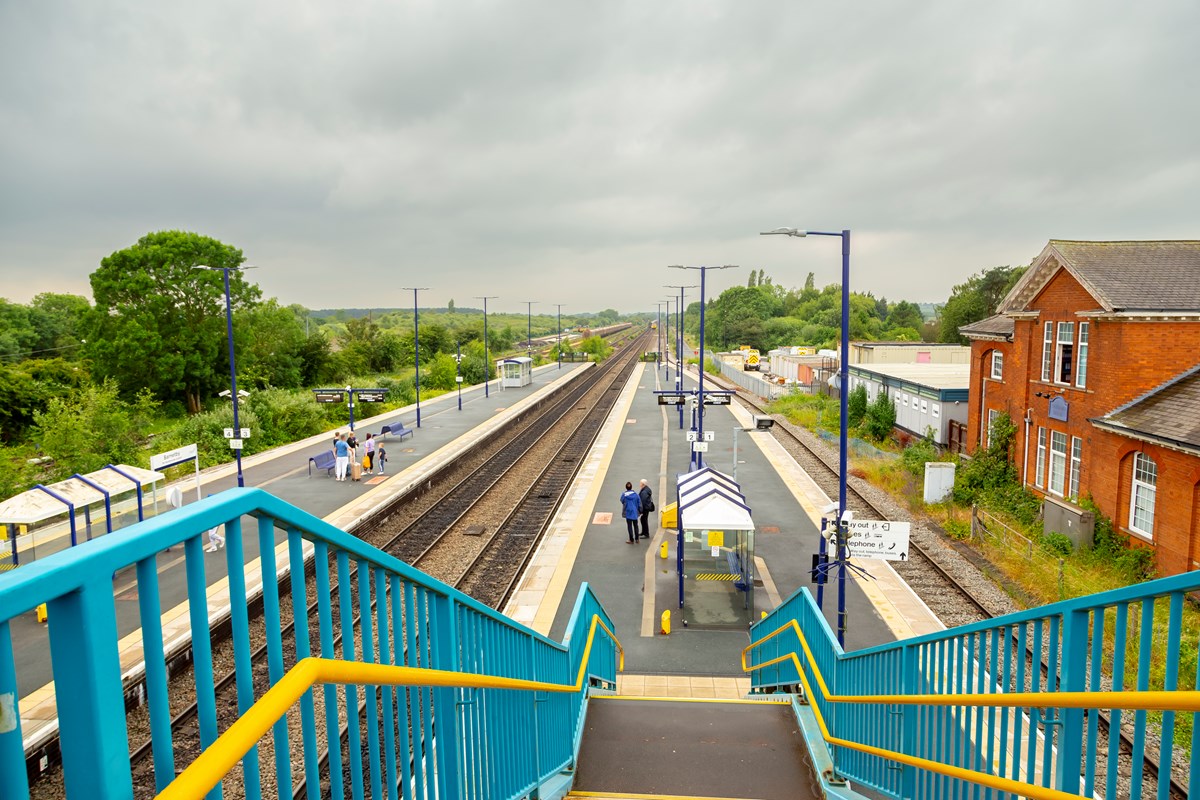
<point x="631" y="507"/>
<point x="645" y="496"/>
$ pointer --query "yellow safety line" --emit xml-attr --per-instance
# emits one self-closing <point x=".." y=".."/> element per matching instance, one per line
<point x="730" y="701"/>
<point x="1157" y="700"/>
<point x="224" y="754"/>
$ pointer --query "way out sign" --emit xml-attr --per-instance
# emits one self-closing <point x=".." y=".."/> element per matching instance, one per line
<point x="875" y="539"/>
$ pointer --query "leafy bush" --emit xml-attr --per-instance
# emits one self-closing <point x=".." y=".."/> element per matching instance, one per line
<point x="92" y="427"/>
<point x="1056" y="544"/>
<point x="916" y="455"/>
<point x="856" y="406"/>
<point x="1135" y="563"/>
<point x="880" y="418"/>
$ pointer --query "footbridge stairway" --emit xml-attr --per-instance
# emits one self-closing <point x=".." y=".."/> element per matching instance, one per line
<point x="441" y="697"/>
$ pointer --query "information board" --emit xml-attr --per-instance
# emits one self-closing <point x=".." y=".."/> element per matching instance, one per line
<point x="371" y="395"/>
<point x="329" y="395"/>
<point x="878" y="539"/>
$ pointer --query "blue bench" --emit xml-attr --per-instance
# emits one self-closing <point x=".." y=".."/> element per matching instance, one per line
<point x="325" y="460"/>
<point x="396" y="429"/>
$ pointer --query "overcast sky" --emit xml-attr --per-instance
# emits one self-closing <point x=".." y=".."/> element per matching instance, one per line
<point x="567" y="152"/>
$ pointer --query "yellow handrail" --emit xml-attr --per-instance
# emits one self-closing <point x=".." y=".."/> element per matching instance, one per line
<point x="1157" y="700"/>
<point x="223" y="755"/>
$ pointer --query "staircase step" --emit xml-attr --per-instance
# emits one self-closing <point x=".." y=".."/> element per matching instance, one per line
<point x="635" y="748"/>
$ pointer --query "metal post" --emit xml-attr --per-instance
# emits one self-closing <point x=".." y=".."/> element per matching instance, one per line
<point x="844" y="440"/>
<point x="560" y="305"/>
<point x="417" y="345"/>
<point x="350" y="401"/>
<point x="679" y="342"/>
<point x="529" y="327"/>
<point x="458" y="372"/>
<point x="487" y="366"/>
<point x="666" y="339"/>
<point x="735" y="437"/>
<point x="697" y="461"/>
<point x="233" y="390"/>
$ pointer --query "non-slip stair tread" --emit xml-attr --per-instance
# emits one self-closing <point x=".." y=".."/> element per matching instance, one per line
<point x="728" y="750"/>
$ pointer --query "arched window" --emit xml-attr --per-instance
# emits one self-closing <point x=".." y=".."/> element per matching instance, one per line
<point x="1141" y="497"/>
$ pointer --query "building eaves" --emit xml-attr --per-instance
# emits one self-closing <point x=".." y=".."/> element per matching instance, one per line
<point x="1169" y="412"/>
<point x="994" y="327"/>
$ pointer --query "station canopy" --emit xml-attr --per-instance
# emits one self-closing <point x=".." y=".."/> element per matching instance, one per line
<point x="709" y="499"/>
<point x="34" y="505"/>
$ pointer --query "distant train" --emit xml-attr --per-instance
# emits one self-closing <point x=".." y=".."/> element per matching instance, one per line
<point x="607" y="330"/>
<point x="653" y="326"/>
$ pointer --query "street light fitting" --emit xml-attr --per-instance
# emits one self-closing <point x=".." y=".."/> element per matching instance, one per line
<point x="240" y="267"/>
<point x="785" y="232"/>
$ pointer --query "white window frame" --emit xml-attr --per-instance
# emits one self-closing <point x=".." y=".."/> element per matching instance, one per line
<point x="1142" y="495"/>
<point x="997" y="365"/>
<point x="992" y="415"/>
<point x="924" y="406"/>
<point x="1081" y="357"/>
<point x="1058" y="463"/>
<point x="1039" y="473"/>
<point x="1066" y="338"/>
<point x="935" y="410"/>
<point x="904" y="399"/>
<point x="1076" y="467"/>
<point x="1047" y="350"/>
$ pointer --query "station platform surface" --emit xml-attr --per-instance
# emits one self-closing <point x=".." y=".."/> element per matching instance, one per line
<point x="444" y="433"/>
<point x="588" y="542"/>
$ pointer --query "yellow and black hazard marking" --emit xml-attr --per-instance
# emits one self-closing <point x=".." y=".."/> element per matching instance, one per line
<point x="717" y="576"/>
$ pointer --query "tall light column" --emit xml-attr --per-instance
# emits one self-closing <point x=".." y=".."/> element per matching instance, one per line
<point x="679" y="341"/>
<point x="529" y="327"/>
<point x="417" y="343"/>
<point x="233" y="390"/>
<point x="559" y="306"/>
<point x="696" y="461"/>
<point x="487" y="366"/>
<point x="843" y="438"/>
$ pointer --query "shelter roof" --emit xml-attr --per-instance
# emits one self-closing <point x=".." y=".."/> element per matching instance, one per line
<point x="517" y="360"/>
<point x="35" y="505"/>
<point x="706" y="501"/>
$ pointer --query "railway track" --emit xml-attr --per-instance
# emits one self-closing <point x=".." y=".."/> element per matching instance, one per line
<point x="916" y="572"/>
<point x="184" y="727"/>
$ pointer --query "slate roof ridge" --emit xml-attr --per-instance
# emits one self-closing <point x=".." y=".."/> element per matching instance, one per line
<point x="1188" y="373"/>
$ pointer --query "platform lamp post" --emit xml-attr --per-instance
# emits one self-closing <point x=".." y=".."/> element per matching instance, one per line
<point x="487" y="367"/>
<point x="559" y="307"/>
<point x="529" y="327"/>
<point x="843" y="438"/>
<point x="666" y="340"/>
<point x="233" y="390"/>
<point x="679" y="341"/>
<point x="417" y="343"/>
<point x="696" y="461"/>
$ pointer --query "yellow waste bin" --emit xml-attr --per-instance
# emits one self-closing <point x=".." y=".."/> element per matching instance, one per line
<point x="667" y="518"/>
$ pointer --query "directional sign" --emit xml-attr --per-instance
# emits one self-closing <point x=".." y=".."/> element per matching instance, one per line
<point x="672" y="399"/>
<point x="458" y="378"/>
<point x="718" y="398"/>
<point x="699" y="447"/>
<point x="875" y="539"/>
<point x="173" y="457"/>
<point x="329" y="395"/>
<point x="371" y="395"/>
<point x="235" y="444"/>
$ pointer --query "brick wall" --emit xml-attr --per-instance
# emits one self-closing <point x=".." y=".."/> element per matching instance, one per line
<point x="1126" y="359"/>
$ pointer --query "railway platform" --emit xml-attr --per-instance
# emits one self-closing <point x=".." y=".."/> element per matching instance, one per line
<point x="445" y="432"/>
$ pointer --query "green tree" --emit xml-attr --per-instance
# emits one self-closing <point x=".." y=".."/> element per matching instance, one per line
<point x="18" y="336"/>
<point x="92" y="427"/>
<point x="441" y="373"/>
<point x="450" y="306"/>
<point x="880" y="418"/>
<point x="159" y="323"/>
<point x="905" y="315"/>
<point x="270" y="341"/>
<point x="856" y="406"/>
<point x="976" y="298"/>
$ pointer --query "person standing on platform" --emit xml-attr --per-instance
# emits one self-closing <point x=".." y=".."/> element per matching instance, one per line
<point x="631" y="509"/>
<point x="342" y="451"/>
<point x="369" y="447"/>
<point x="647" y="500"/>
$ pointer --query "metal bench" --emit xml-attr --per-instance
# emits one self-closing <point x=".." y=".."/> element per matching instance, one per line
<point x="325" y="460"/>
<point x="396" y="429"/>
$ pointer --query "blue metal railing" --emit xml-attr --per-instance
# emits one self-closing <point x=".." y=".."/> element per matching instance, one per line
<point x="428" y="741"/>
<point x="1101" y="643"/>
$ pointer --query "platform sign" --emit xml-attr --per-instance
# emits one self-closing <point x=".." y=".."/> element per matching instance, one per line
<point x="329" y="395"/>
<point x="672" y="399"/>
<point x="710" y="436"/>
<point x="173" y="457"/>
<point x="371" y="395"/>
<point x="693" y="436"/>
<point x="878" y="539"/>
<point x="235" y="444"/>
<point x="228" y="433"/>
<point x="245" y="432"/>
<point x="718" y="398"/>
<point x="699" y="447"/>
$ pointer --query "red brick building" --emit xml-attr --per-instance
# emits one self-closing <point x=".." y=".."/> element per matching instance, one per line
<point x="1095" y="356"/>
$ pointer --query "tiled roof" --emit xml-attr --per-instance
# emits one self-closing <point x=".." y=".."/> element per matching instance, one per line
<point x="1170" y="412"/>
<point x="991" y="327"/>
<point x="1153" y="276"/>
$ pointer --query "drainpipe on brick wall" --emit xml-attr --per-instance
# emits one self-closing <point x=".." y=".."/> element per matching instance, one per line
<point x="983" y="421"/>
<point x="1025" y="462"/>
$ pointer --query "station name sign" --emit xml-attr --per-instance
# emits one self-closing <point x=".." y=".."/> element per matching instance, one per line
<point x="329" y="395"/>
